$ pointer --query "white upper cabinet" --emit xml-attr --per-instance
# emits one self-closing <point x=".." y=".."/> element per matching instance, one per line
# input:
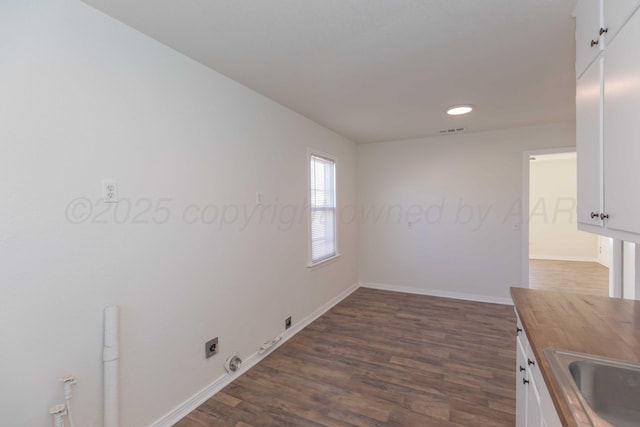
<point x="588" y="22"/>
<point x="622" y="129"/>
<point x="614" y="14"/>
<point x="589" y="103"/>
<point x="597" y="24"/>
<point x="608" y="130"/>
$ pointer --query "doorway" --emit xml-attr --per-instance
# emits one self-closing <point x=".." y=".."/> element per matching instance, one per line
<point x="557" y="255"/>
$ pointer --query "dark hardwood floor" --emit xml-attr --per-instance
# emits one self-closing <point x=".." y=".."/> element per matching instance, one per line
<point x="381" y="359"/>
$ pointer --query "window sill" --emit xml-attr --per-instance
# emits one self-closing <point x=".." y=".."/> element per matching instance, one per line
<point x="323" y="262"/>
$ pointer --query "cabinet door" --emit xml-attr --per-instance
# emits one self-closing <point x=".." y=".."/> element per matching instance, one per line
<point x="622" y="130"/>
<point x="588" y="19"/>
<point x="615" y="14"/>
<point x="589" y="144"/>
<point x="534" y="414"/>
<point x="521" y="387"/>
<point x="548" y="412"/>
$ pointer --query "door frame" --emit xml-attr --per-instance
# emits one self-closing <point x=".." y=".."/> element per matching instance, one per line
<point x="526" y="170"/>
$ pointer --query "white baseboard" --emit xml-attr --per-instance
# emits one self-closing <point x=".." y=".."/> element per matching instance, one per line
<point x="221" y="382"/>
<point x="437" y="293"/>
<point x="563" y="258"/>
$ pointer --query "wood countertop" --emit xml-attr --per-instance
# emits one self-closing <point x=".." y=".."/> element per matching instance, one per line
<point x="602" y="326"/>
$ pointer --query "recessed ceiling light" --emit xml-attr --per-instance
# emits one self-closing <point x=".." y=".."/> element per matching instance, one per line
<point x="457" y="110"/>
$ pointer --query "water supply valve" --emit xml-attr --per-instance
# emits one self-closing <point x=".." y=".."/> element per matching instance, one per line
<point x="232" y="363"/>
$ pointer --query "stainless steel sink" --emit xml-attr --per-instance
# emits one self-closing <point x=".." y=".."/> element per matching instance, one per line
<point x="601" y="391"/>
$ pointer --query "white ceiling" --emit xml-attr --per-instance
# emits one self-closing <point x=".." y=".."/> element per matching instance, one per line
<point x="380" y="70"/>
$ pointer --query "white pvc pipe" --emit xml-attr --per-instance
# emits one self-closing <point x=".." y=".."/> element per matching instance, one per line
<point x="110" y="356"/>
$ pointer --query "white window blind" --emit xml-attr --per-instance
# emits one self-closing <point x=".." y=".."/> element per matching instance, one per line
<point x="323" y="208"/>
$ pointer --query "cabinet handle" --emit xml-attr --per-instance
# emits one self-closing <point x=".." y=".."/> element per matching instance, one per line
<point x="525" y="381"/>
<point x="594" y="42"/>
<point x="604" y="216"/>
<point x="518" y="330"/>
<point x="594" y="215"/>
<point x="522" y="368"/>
<point x="530" y="362"/>
<point x="603" y="30"/>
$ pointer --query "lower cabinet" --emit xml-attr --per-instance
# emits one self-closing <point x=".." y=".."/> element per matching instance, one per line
<point x="521" y="386"/>
<point x="534" y="407"/>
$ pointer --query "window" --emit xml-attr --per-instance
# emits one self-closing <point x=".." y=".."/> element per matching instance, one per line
<point x="322" y="187"/>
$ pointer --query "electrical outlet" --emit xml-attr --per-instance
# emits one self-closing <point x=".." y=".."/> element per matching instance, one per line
<point x="211" y="347"/>
<point x="287" y="322"/>
<point x="109" y="191"/>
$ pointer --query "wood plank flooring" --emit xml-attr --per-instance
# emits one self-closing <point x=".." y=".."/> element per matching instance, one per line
<point x="569" y="276"/>
<point x="381" y="359"/>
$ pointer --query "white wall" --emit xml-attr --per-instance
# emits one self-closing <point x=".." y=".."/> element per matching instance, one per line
<point x="604" y="252"/>
<point x="553" y="232"/>
<point x="629" y="261"/>
<point x="462" y="193"/>
<point x="85" y="98"/>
